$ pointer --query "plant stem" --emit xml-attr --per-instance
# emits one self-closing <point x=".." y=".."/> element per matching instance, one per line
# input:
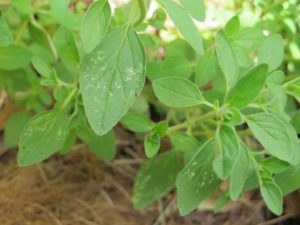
<point x="192" y="120"/>
<point x="142" y="13"/>
<point x="69" y="98"/>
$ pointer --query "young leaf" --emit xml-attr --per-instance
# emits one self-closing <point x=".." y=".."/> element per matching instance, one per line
<point x="69" y="142"/>
<point x="42" y="66"/>
<point x="229" y="148"/>
<point x="14" y="57"/>
<point x="195" y="8"/>
<point x="6" y="36"/>
<point x="14" y="127"/>
<point x="232" y="27"/>
<point x="156" y="178"/>
<point x="207" y="68"/>
<point x="66" y="47"/>
<point x="197" y="180"/>
<point x="227" y="59"/>
<point x="95" y="24"/>
<point x="60" y="11"/>
<point x="23" y="6"/>
<point x="111" y="78"/>
<point x="152" y="145"/>
<point x="184" y="23"/>
<point x="161" y="128"/>
<point x="272" y="196"/>
<point x="274" y="165"/>
<point x="137" y="122"/>
<point x="239" y="174"/>
<point x="176" y="66"/>
<point x="102" y="146"/>
<point x="278" y="137"/>
<point x="286" y="180"/>
<point x="42" y="136"/>
<point x="184" y="142"/>
<point x="248" y="87"/>
<point x="177" y="92"/>
<point x="276" y="77"/>
<point x="271" y="52"/>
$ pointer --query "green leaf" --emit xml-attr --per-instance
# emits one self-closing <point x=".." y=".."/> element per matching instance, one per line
<point x="274" y="165"/>
<point x="14" y="127"/>
<point x="276" y="77"/>
<point x="177" y="92"/>
<point x="287" y="180"/>
<point x="14" y="57"/>
<point x="42" y="136"/>
<point x="161" y="128"/>
<point x="195" y="8"/>
<point x="227" y="59"/>
<point x="156" y="178"/>
<point x="197" y="180"/>
<point x="277" y="136"/>
<point x="6" y="36"/>
<point x="152" y="145"/>
<point x="248" y="87"/>
<point x="69" y="142"/>
<point x="66" y="47"/>
<point x="271" y="52"/>
<point x="95" y="24"/>
<point x="232" y="27"/>
<point x="242" y="56"/>
<point x="239" y="174"/>
<point x="296" y="121"/>
<point x="60" y="11"/>
<point x="103" y="147"/>
<point x="176" y="66"/>
<point x="42" y="66"/>
<point x="23" y="6"/>
<point x="294" y="90"/>
<point x="206" y="69"/>
<point x="184" y="142"/>
<point x="272" y="196"/>
<point x="229" y="148"/>
<point x="111" y="78"/>
<point x="137" y="122"/>
<point x="184" y="24"/>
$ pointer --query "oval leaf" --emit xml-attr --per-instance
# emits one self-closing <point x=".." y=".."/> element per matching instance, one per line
<point x="177" y="92"/>
<point x="111" y="78"/>
<point x="184" y="23"/>
<point x="14" y="57"/>
<point x="6" y="36"/>
<point x="278" y="137"/>
<point x="95" y="24"/>
<point x="156" y="178"/>
<point x="102" y="146"/>
<point x="229" y="148"/>
<point x="195" y="8"/>
<point x="248" y="87"/>
<point x="272" y="196"/>
<point x="271" y="51"/>
<point x="42" y="136"/>
<point x="227" y="59"/>
<point x="197" y="180"/>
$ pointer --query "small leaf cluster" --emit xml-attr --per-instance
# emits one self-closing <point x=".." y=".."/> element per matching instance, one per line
<point x="226" y="104"/>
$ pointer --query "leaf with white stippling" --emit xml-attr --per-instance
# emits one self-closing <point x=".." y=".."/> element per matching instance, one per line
<point x="111" y="78"/>
<point x="197" y="180"/>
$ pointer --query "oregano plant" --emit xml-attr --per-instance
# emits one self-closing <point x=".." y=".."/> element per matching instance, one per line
<point x="226" y="99"/>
